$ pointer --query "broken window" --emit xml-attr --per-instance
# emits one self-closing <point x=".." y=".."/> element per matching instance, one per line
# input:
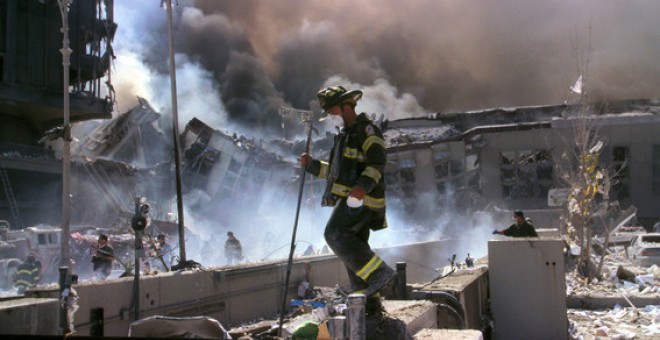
<point x="199" y="161"/>
<point x="656" y="170"/>
<point x="234" y="166"/>
<point x="620" y="188"/>
<point x="230" y="184"/>
<point x="200" y="158"/>
<point x="472" y="173"/>
<point x="526" y="173"/>
<point x="442" y="168"/>
<point x="401" y="182"/>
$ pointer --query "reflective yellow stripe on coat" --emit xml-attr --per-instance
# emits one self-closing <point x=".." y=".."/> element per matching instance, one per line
<point x="371" y="202"/>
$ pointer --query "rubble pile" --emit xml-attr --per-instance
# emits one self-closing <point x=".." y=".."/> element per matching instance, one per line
<point x="644" y="281"/>
<point x="630" y="320"/>
<point x="308" y="318"/>
<point x="616" y="323"/>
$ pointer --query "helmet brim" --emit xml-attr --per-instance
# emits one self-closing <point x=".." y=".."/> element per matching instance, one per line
<point x="355" y="95"/>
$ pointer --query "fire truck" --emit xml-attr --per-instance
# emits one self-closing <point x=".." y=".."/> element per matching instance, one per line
<point x="15" y="245"/>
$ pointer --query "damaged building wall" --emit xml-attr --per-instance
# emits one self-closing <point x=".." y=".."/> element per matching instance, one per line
<point x="31" y="97"/>
<point x="133" y="137"/>
<point x="629" y="139"/>
<point x="508" y="157"/>
<point x="230" y="168"/>
<point x="512" y="163"/>
<point x="430" y="171"/>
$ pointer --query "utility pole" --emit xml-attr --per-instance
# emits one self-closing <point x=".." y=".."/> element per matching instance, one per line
<point x="175" y="134"/>
<point x="66" y="147"/>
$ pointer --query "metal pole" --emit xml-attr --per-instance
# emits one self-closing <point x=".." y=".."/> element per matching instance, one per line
<point x="136" y="278"/>
<point x="357" y="319"/>
<point x="65" y="259"/>
<point x="63" y="315"/>
<point x="295" y="228"/>
<point x="401" y="284"/>
<point x="337" y="327"/>
<point x="175" y="133"/>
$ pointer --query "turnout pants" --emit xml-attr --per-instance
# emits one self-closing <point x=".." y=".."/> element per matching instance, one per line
<point x="347" y="234"/>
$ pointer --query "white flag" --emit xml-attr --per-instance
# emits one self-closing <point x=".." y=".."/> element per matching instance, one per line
<point x="577" y="87"/>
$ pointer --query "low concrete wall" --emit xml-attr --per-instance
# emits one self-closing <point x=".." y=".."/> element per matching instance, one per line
<point x="422" y="258"/>
<point x="231" y="295"/>
<point x="469" y="287"/>
<point x="29" y="316"/>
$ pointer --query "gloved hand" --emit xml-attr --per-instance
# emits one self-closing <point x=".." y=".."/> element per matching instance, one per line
<point x="304" y="159"/>
<point x="357" y="192"/>
<point x="495" y="232"/>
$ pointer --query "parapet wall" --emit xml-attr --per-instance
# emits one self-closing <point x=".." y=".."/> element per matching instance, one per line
<point x="231" y="295"/>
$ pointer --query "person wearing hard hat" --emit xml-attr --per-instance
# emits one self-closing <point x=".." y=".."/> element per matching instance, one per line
<point x="233" y="249"/>
<point x="522" y="228"/>
<point x="356" y="190"/>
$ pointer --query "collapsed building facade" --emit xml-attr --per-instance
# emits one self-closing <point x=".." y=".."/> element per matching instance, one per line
<point x="510" y="159"/>
<point x="31" y="97"/>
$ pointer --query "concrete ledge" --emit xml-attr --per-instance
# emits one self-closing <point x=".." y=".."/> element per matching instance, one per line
<point x="417" y="315"/>
<point x="469" y="287"/>
<point x="30" y="316"/>
<point x="602" y="302"/>
<point x="448" y="334"/>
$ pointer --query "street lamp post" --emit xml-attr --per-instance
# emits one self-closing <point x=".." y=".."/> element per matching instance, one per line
<point x="66" y="148"/>
<point x="175" y="133"/>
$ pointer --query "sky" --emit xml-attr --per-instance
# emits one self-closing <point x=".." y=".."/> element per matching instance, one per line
<point x="239" y="62"/>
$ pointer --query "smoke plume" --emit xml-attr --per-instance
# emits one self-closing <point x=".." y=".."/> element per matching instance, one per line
<point x="238" y="62"/>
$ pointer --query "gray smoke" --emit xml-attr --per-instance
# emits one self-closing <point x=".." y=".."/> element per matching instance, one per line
<point x="239" y="61"/>
<point x="255" y="56"/>
<point x="454" y="55"/>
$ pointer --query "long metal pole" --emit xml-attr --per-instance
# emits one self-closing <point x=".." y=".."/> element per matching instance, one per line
<point x="175" y="133"/>
<point x="136" y="279"/>
<point x="295" y="229"/>
<point x="66" y="148"/>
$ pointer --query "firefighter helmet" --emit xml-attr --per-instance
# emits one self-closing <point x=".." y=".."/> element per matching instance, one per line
<point x="335" y="95"/>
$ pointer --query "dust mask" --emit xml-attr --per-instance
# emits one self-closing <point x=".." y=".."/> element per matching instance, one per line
<point x="337" y="121"/>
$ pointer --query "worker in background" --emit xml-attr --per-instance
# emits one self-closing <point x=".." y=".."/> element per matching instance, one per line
<point x="521" y="228"/>
<point x="27" y="274"/>
<point x="233" y="249"/>
<point x="163" y="252"/>
<point x="103" y="258"/>
<point x="356" y="190"/>
<point x="69" y="301"/>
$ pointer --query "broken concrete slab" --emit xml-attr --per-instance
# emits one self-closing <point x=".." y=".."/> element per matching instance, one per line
<point x="416" y="315"/>
<point x="448" y="334"/>
<point x="596" y="301"/>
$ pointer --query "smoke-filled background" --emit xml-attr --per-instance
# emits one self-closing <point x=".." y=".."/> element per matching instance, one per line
<point x="238" y="62"/>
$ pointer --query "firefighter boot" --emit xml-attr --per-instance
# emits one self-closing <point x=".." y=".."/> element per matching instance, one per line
<point x="374" y="307"/>
<point x="380" y="279"/>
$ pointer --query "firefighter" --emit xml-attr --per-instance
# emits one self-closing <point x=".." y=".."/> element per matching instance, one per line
<point x="522" y="228"/>
<point x="103" y="258"/>
<point x="356" y="190"/>
<point x="163" y="252"/>
<point x="233" y="249"/>
<point x="27" y="274"/>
